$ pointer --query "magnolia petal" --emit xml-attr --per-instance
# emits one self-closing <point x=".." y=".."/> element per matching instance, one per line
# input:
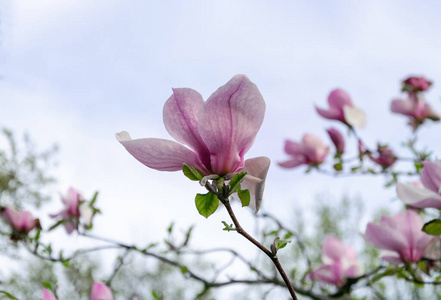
<point x="160" y="154"/>
<point x="403" y="106"/>
<point x="415" y="196"/>
<point x="47" y="295"/>
<point x="331" y="114"/>
<point x="258" y="168"/>
<point x="431" y="176"/>
<point x="325" y="274"/>
<point x="338" y="99"/>
<point x="100" y="291"/>
<point x="354" y="116"/>
<point x="86" y="213"/>
<point x="293" y="148"/>
<point x="391" y="257"/>
<point x="332" y="249"/>
<point x="229" y="121"/>
<point x="292" y="163"/>
<point x="385" y="238"/>
<point x="181" y="114"/>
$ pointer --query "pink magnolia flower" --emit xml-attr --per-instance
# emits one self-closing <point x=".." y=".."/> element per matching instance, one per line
<point x="342" y="109"/>
<point x="416" y="84"/>
<point x="338" y="139"/>
<point x="429" y="195"/>
<point x="100" y="291"/>
<point x="47" y="295"/>
<point x="219" y="132"/>
<point x="71" y="211"/>
<point x="401" y="235"/>
<point x="310" y="151"/>
<point x="340" y="262"/>
<point x="385" y="156"/>
<point x="19" y="220"/>
<point x="416" y="108"/>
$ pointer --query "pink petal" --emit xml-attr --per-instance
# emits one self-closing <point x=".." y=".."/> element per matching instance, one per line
<point x="256" y="167"/>
<point x="404" y="107"/>
<point x="431" y="176"/>
<point x="337" y="138"/>
<point x="417" y="196"/>
<point x="181" y="114"/>
<point x="385" y="238"/>
<point x="326" y="274"/>
<point x="229" y="121"/>
<point x="338" y="98"/>
<point x="293" y="148"/>
<point x="47" y="295"/>
<point x="160" y="154"/>
<point x="333" y="248"/>
<point x="393" y="258"/>
<point x="292" y="163"/>
<point x="331" y="114"/>
<point x="100" y="291"/>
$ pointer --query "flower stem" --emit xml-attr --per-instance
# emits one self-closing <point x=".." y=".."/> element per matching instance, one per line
<point x="272" y="256"/>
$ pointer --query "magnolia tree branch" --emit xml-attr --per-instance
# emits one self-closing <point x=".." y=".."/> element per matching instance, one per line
<point x="270" y="254"/>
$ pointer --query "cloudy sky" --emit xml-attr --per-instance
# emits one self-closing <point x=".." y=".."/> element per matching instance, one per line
<point x="76" y="72"/>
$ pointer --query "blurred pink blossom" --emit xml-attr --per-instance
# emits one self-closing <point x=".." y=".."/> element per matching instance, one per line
<point x="385" y="157"/>
<point x="429" y="195"/>
<point x="310" y="151"/>
<point x="71" y="212"/>
<point x="19" y="220"/>
<point x="342" y="109"/>
<point x="339" y="262"/>
<point x="219" y="132"/>
<point x="100" y="291"/>
<point x="416" y="108"/>
<point x="47" y="295"/>
<point x="417" y="84"/>
<point x="401" y="236"/>
<point x="338" y="139"/>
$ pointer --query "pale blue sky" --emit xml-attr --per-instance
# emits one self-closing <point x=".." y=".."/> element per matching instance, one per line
<point x="76" y="72"/>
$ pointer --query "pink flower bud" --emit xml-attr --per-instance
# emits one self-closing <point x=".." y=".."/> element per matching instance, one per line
<point x="19" y="220"/>
<point x="401" y="235"/>
<point x="47" y="295"/>
<point x="342" y="109"/>
<point x="310" y="151"/>
<point x="100" y="291"/>
<point x="340" y="262"/>
<point x="337" y="139"/>
<point x="416" y="84"/>
<point x="385" y="156"/>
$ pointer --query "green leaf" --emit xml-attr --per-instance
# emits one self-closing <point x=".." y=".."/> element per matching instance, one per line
<point x="206" y="204"/>
<point x="192" y="173"/>
<point x="57" y="224"/>
<point x="338" y="166"/>
<point x="170" y="227"/>
<point x="184" y="269"/>
<point x="433" y="227"/>
<point x="235" y="181"/>
<point x="244" y="196"/>
<point x="8" y="295"/>
<point x="47" y="285"/>
<point x="65" y="263"/>
<point x="282" y="244"/>
<point x="95" y="196"/>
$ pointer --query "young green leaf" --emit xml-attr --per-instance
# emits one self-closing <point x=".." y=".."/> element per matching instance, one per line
<point x="95" y="196"/>
<point x="244" y="196"/>
<point x="206" y="204"/>
<point x="8" y="295"/>
<point x="433" y="227"/>
<point x="235" y="181"/>
<point x="192" y="173"/>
